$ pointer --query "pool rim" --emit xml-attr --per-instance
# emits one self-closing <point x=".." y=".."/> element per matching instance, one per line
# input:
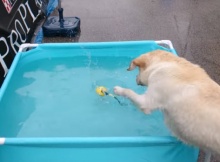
<point x="120" y="141"/>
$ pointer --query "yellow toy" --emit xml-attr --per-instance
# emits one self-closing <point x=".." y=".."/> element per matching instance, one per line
<point x="102" y="91"/>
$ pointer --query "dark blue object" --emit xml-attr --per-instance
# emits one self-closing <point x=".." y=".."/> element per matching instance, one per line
<point x="67" y="27"/>
<point x="60" y="26"/>
<point x="52" y="4"/>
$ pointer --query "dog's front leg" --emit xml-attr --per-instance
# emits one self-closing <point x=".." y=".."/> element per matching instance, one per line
<point x="144" y="102"/>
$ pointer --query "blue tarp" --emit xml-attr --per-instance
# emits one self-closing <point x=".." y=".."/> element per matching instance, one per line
<point x="50" y="8"/>
<point x="95" y="149"/>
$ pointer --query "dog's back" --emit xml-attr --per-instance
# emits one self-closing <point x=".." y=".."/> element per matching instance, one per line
<point x="192" y="109"/>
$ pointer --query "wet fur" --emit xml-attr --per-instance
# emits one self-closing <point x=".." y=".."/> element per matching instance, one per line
<point x="189" y="98"/>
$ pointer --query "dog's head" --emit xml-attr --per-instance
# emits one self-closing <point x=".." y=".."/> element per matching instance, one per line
<point x="142" y="63"/>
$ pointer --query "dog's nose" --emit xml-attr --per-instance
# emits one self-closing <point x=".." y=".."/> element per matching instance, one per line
<point x="138" y="81"/>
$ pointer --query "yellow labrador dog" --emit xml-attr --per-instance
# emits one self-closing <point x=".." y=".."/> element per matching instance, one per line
<point x="188" y="97"/>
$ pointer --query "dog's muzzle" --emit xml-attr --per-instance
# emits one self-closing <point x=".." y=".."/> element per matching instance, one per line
<point x="138" y="81"/>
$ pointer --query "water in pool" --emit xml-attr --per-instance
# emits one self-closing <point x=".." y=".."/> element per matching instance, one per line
<point x="57" y="98"/>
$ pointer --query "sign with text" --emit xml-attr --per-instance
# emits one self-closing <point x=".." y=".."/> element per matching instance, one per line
<point x="19" y="20"/>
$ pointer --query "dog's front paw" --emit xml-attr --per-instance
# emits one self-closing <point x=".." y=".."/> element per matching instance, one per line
<point x="118" y="90"/>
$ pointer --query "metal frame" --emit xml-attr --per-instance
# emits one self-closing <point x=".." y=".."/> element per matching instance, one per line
<point x="24" y="46"/>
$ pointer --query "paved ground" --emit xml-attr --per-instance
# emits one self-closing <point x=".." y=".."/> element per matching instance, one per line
<point x="192" y="25"/>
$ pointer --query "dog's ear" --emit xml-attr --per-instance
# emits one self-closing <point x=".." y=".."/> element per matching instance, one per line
<point x="140" y="62"/>
<point x="132" y="66"/>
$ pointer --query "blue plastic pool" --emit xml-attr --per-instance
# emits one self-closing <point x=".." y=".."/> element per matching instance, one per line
<point x="49" y="110"/>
